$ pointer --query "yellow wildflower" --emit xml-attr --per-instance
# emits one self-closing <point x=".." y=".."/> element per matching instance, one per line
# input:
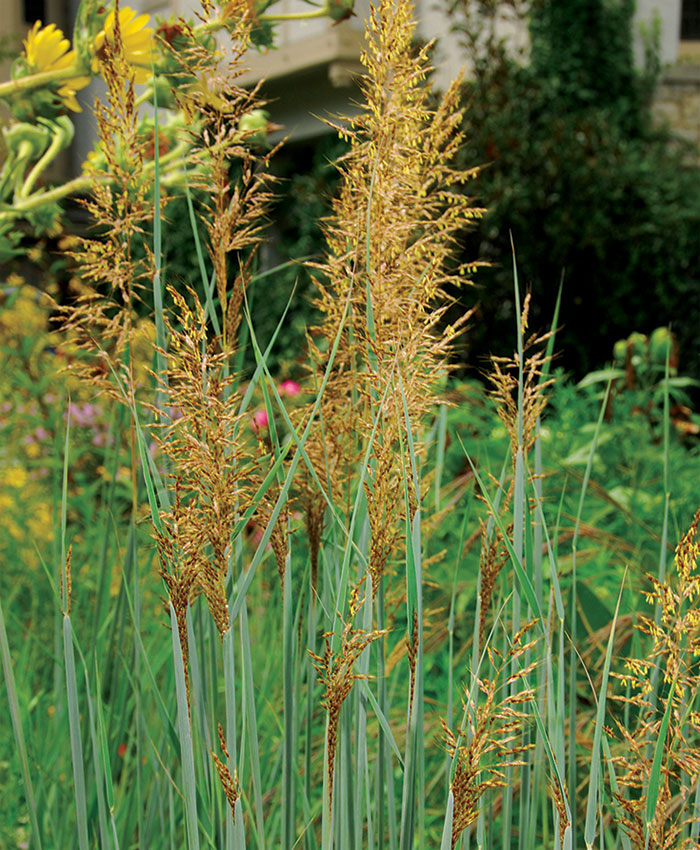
<point x="39" y="522"/>
<point x="16" y="477"/>
<point x="46" y="49"/>
<point x="136" y="40"/>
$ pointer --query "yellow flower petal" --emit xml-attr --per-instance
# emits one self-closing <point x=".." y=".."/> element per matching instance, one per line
<point x="47" y="49"/>
<point x="136" y="38"/>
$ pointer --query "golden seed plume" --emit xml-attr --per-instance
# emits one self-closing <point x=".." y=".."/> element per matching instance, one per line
<point x="492" y="741"/>
<point x="335" y="669"/>
<point x="675" y="637"/>
<point x="228" y="783"/>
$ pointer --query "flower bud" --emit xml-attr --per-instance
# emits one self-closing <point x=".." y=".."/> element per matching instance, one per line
<point x="639" y="345"/>
<point x="340" y="10"/>
<point x="254" y="125"/>
<point x="26" y="141"/>
<point x="660" y="345"/>
<point x="620" y="351"/>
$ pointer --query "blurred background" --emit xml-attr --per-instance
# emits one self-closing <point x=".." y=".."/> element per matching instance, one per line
<point x="583" y="114"/>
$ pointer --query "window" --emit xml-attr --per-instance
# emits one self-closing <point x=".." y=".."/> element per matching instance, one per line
<point x="690" y="20"/>
<point x="33" y="10"/>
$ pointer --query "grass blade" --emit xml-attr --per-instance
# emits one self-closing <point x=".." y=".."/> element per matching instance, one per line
<point x="594" y="782"/>
<point x="75" y="738"/>
<point x="185" y="735"/>
<point x="16" y="719"/>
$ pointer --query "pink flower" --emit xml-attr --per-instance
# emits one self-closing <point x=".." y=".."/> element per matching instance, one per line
<point x="290" y="388"/>
<point x="102" y="438"/>
<point x="259" y="419"/>
<point x="83" y="414"/>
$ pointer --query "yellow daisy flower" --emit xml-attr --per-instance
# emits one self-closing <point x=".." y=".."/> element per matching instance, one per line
<point x="46" y="49"/>
<point x="136" y="39"/>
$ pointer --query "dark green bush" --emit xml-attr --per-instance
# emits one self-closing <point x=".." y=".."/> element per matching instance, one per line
<point x="589" y="188"/>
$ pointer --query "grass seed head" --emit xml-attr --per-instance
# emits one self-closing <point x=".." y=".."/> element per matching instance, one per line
<point x="383" y="284"/>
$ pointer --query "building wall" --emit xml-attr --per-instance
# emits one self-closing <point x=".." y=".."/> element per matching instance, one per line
<point x="311" y="72"/>
<point x="677" y="97"/>
<point x="677" y="101"/>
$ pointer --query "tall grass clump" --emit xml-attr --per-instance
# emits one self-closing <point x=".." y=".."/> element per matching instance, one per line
<point x="260" y="641"/>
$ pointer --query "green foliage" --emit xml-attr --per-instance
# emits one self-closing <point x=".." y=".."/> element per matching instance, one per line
<point x="584" y="51"/>
<point x="308" y="178"/>
<point x="575" y="171"/>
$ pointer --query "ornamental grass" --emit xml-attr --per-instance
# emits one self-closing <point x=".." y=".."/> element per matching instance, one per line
<point x="257" y="643"/>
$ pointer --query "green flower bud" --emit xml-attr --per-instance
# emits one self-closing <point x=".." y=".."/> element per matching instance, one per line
<point x="89" y="21"/>
<point x="26" y="141"/>
<point x="340" y="10"/>
<point x="660" y="345"/>
<point x="163" y="89"/>
<point x="254" y="125"/>
<point x="620" y="352"/>
<point x="639" y="345"/>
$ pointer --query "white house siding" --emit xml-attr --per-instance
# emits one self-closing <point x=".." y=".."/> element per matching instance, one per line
<point x="668" y="15"/>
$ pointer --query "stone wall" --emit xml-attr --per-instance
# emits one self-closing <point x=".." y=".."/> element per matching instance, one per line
<point x="677" y="101"/>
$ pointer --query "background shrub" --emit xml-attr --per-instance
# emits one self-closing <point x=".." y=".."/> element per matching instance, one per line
<point x="577" y="172"/>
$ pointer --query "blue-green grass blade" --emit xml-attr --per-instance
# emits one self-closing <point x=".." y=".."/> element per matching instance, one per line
<point x="75" y="738"/>
<point x="655" y="774"/>
<point x="189" y="781"/>
<point x="573" y="629"/>
<point x="261" y="359"/>
<point x="361" y="785"/>
<point x="549" y="351"/>
<point x="202" y="737"/>
<point x="289" y="743"/>
<point x="451" y="631"/>
<point x="518" y="519"/>
<point x="410" y="806"/>
<point x="64" y="504"/>
<point x="98" y="765"/>
<point x="208" y="285"/>
<point x="297" y="440"/>
<point x="615" y="788"/>
<point x="592" y="803"/>
<point x="251" y="721"/>
<point x="242" y="589"/>
<point x="551" y="554"/>
<point x="524" y="580"/>
<point x="520" y="339"/>
<point x="382" y="720"/>
<point x="440" y="456"/>
<point x="158" y="253"/>
<point x="231" y="716"/>
<point x="103" y="742"/>
<point x="16" y="720"/>
<point x="446" y="841"/>
<point x="151" y="475"/>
